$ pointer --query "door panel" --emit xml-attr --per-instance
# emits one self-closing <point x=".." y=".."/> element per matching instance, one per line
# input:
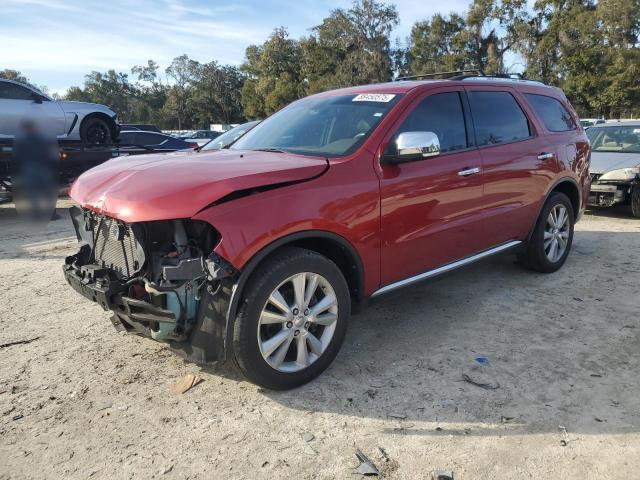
<point x="430" y="214"/>
<point x="515" y="179"/>
<point x="514" y="184"/>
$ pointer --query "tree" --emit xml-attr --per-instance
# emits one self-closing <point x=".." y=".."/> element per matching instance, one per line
<point x="273" y="72"/>
<point x="437" y="45"/>
<point x="181" y="71"/>
<point x="15" y="75"/>
<point x="351" y="47"/>
<point x="216" y="94"/>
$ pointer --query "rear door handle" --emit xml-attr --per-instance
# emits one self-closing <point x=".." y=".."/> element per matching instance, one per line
<point x="469" y="171"/>
<point x="546" y="156"/>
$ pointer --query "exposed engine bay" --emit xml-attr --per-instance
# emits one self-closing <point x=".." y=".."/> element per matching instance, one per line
<point x="151" y="275"/>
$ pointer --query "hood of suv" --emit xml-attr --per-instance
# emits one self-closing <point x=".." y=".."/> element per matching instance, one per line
<point x="180" y="184"/>
<point x="602" y="162"/>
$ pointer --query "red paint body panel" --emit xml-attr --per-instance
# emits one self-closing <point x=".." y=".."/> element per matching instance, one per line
<point x="178" y="185"/>
<point x="400" y="219"/>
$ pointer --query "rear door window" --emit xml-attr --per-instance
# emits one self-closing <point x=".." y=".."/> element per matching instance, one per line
<point x="441" y="114"/>
<point x="497" y="118"/>
<point x="555" y="117"/>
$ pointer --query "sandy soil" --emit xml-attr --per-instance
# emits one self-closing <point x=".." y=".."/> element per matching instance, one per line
<point x="82" y="401"/>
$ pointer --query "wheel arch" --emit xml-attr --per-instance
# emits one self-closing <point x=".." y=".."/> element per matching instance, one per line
<point x="333" y="246"/>
<point x="103" y="116"/>
<point x="569" y="187"/>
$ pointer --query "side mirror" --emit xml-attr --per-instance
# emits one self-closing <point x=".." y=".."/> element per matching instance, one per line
<point x="411" y="146"/>
<point x="36" y="98"/>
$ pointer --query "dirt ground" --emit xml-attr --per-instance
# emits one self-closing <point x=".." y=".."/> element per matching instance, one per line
<point x="82" y="401"/>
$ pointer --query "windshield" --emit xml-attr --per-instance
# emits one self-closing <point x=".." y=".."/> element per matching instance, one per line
<point x="326" y="126"/>
<point x="624" y="139"/>
<point x="228" y="137"/>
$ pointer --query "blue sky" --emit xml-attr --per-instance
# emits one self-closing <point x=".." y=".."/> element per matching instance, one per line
<point x="56" y="42"/>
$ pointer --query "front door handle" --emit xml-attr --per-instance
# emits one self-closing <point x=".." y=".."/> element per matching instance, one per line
<point x="546" y="156"/>
<point x="469" y="171"/>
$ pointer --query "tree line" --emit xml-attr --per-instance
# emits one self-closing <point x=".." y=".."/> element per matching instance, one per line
<point x="588" y="48"/>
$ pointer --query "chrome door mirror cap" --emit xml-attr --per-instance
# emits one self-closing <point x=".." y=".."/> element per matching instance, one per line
<point x="415" y="146"/>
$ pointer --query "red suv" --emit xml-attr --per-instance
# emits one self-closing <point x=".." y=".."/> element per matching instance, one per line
<point x="261" y="251"/>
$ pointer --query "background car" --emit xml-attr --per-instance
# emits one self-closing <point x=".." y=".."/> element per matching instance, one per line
<point x="230" y="136"/>
<point x="590" y="122"/>
<point x="615" y="165"/>
<point x="145" y="127"/>
<point x="201" y="137"/>
<point x="90" y="123"/>
<point x="154" y="141"/>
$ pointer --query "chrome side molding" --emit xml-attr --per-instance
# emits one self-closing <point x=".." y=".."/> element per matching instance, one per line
<point x="445" y="268"/>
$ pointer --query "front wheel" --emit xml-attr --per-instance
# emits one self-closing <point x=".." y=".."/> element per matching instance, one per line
<point x="293" y="319"/>
<point x="95" y="131"/>
<point x="550" y="243"/>
<point x="635" y="201"/>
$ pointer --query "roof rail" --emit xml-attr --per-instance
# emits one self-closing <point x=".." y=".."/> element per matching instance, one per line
<point x="471" y="74"/>
<point x="452" y="74"/>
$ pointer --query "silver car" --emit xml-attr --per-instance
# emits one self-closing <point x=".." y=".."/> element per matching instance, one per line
<point x="615" y="165"/>
<point x="88" y="122"/>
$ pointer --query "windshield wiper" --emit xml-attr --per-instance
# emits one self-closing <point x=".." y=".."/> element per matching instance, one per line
<point x="269" y="149"/>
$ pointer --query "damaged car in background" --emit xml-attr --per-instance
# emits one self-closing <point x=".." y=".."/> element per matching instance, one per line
<point x="615" y="165"/>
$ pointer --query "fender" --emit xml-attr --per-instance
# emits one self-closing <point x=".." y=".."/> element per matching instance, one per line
<point x="546" y="197"/>
<point x="243" y="278"/>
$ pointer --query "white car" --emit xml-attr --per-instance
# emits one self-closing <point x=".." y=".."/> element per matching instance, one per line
<point x="90" y="123"/>
<point x="615" y="165"/>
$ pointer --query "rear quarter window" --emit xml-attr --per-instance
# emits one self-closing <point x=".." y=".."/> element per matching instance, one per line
<point x="553" y="114"/>
<point x="497" y="118"/>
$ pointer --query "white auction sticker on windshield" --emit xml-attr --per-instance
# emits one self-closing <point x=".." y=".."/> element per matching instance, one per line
<point x="374" y="97"/>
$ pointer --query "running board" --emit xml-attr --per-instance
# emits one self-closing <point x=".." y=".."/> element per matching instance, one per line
<point x="445" y="268"/>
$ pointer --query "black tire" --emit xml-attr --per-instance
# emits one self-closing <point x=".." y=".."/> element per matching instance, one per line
<point x="535" y="257"/>
<point x="266" y="278"/>
<point x="635" y="201"/>
<point x="96" y="131"/>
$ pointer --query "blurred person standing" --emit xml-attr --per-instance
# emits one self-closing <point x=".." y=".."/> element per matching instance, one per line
<point x="34" y="179"/>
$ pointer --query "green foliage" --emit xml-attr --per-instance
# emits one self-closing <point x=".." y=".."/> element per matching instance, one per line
<point x="274" y="74"/>
<point x="589" y="48"/>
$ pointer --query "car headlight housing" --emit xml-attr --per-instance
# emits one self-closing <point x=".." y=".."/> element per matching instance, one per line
<point x="622" y="174"/>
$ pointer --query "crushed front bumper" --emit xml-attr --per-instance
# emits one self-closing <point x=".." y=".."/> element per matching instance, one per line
<point x="180" y="299"/>
<point x="607" y="195"/>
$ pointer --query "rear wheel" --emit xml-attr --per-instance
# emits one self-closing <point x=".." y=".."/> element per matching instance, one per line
<point x="635" y="201"/>
<point x="552" y="237"/>
<point x="95" y="131"/>
<point x="293" y="319"/>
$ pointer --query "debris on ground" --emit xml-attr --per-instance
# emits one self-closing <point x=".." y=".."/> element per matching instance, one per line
<point x="442" y="475"/>
<point x="308" y="437"/>
<point x="487" y="385"/>
<point x="185" y="383"/>
<point x="385" y="455"/>
<point x="504" y="419"/>
<point x="366" y="467"/>
<point x="399" y="416"/>
<point x="19" y="342"/>
<point x="482" y="360"/>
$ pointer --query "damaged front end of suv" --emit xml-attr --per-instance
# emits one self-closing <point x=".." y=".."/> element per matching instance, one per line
<point x="159" y="278"/>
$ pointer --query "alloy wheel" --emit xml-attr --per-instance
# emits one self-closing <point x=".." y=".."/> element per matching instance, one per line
<point x="297" y="322"/>
<point x="556" y="233"/>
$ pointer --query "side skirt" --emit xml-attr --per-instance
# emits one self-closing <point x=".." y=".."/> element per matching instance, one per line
<point x="446" y="268"/>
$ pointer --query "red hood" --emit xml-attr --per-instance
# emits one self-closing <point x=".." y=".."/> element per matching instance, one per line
<point x="178" y="185"/>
